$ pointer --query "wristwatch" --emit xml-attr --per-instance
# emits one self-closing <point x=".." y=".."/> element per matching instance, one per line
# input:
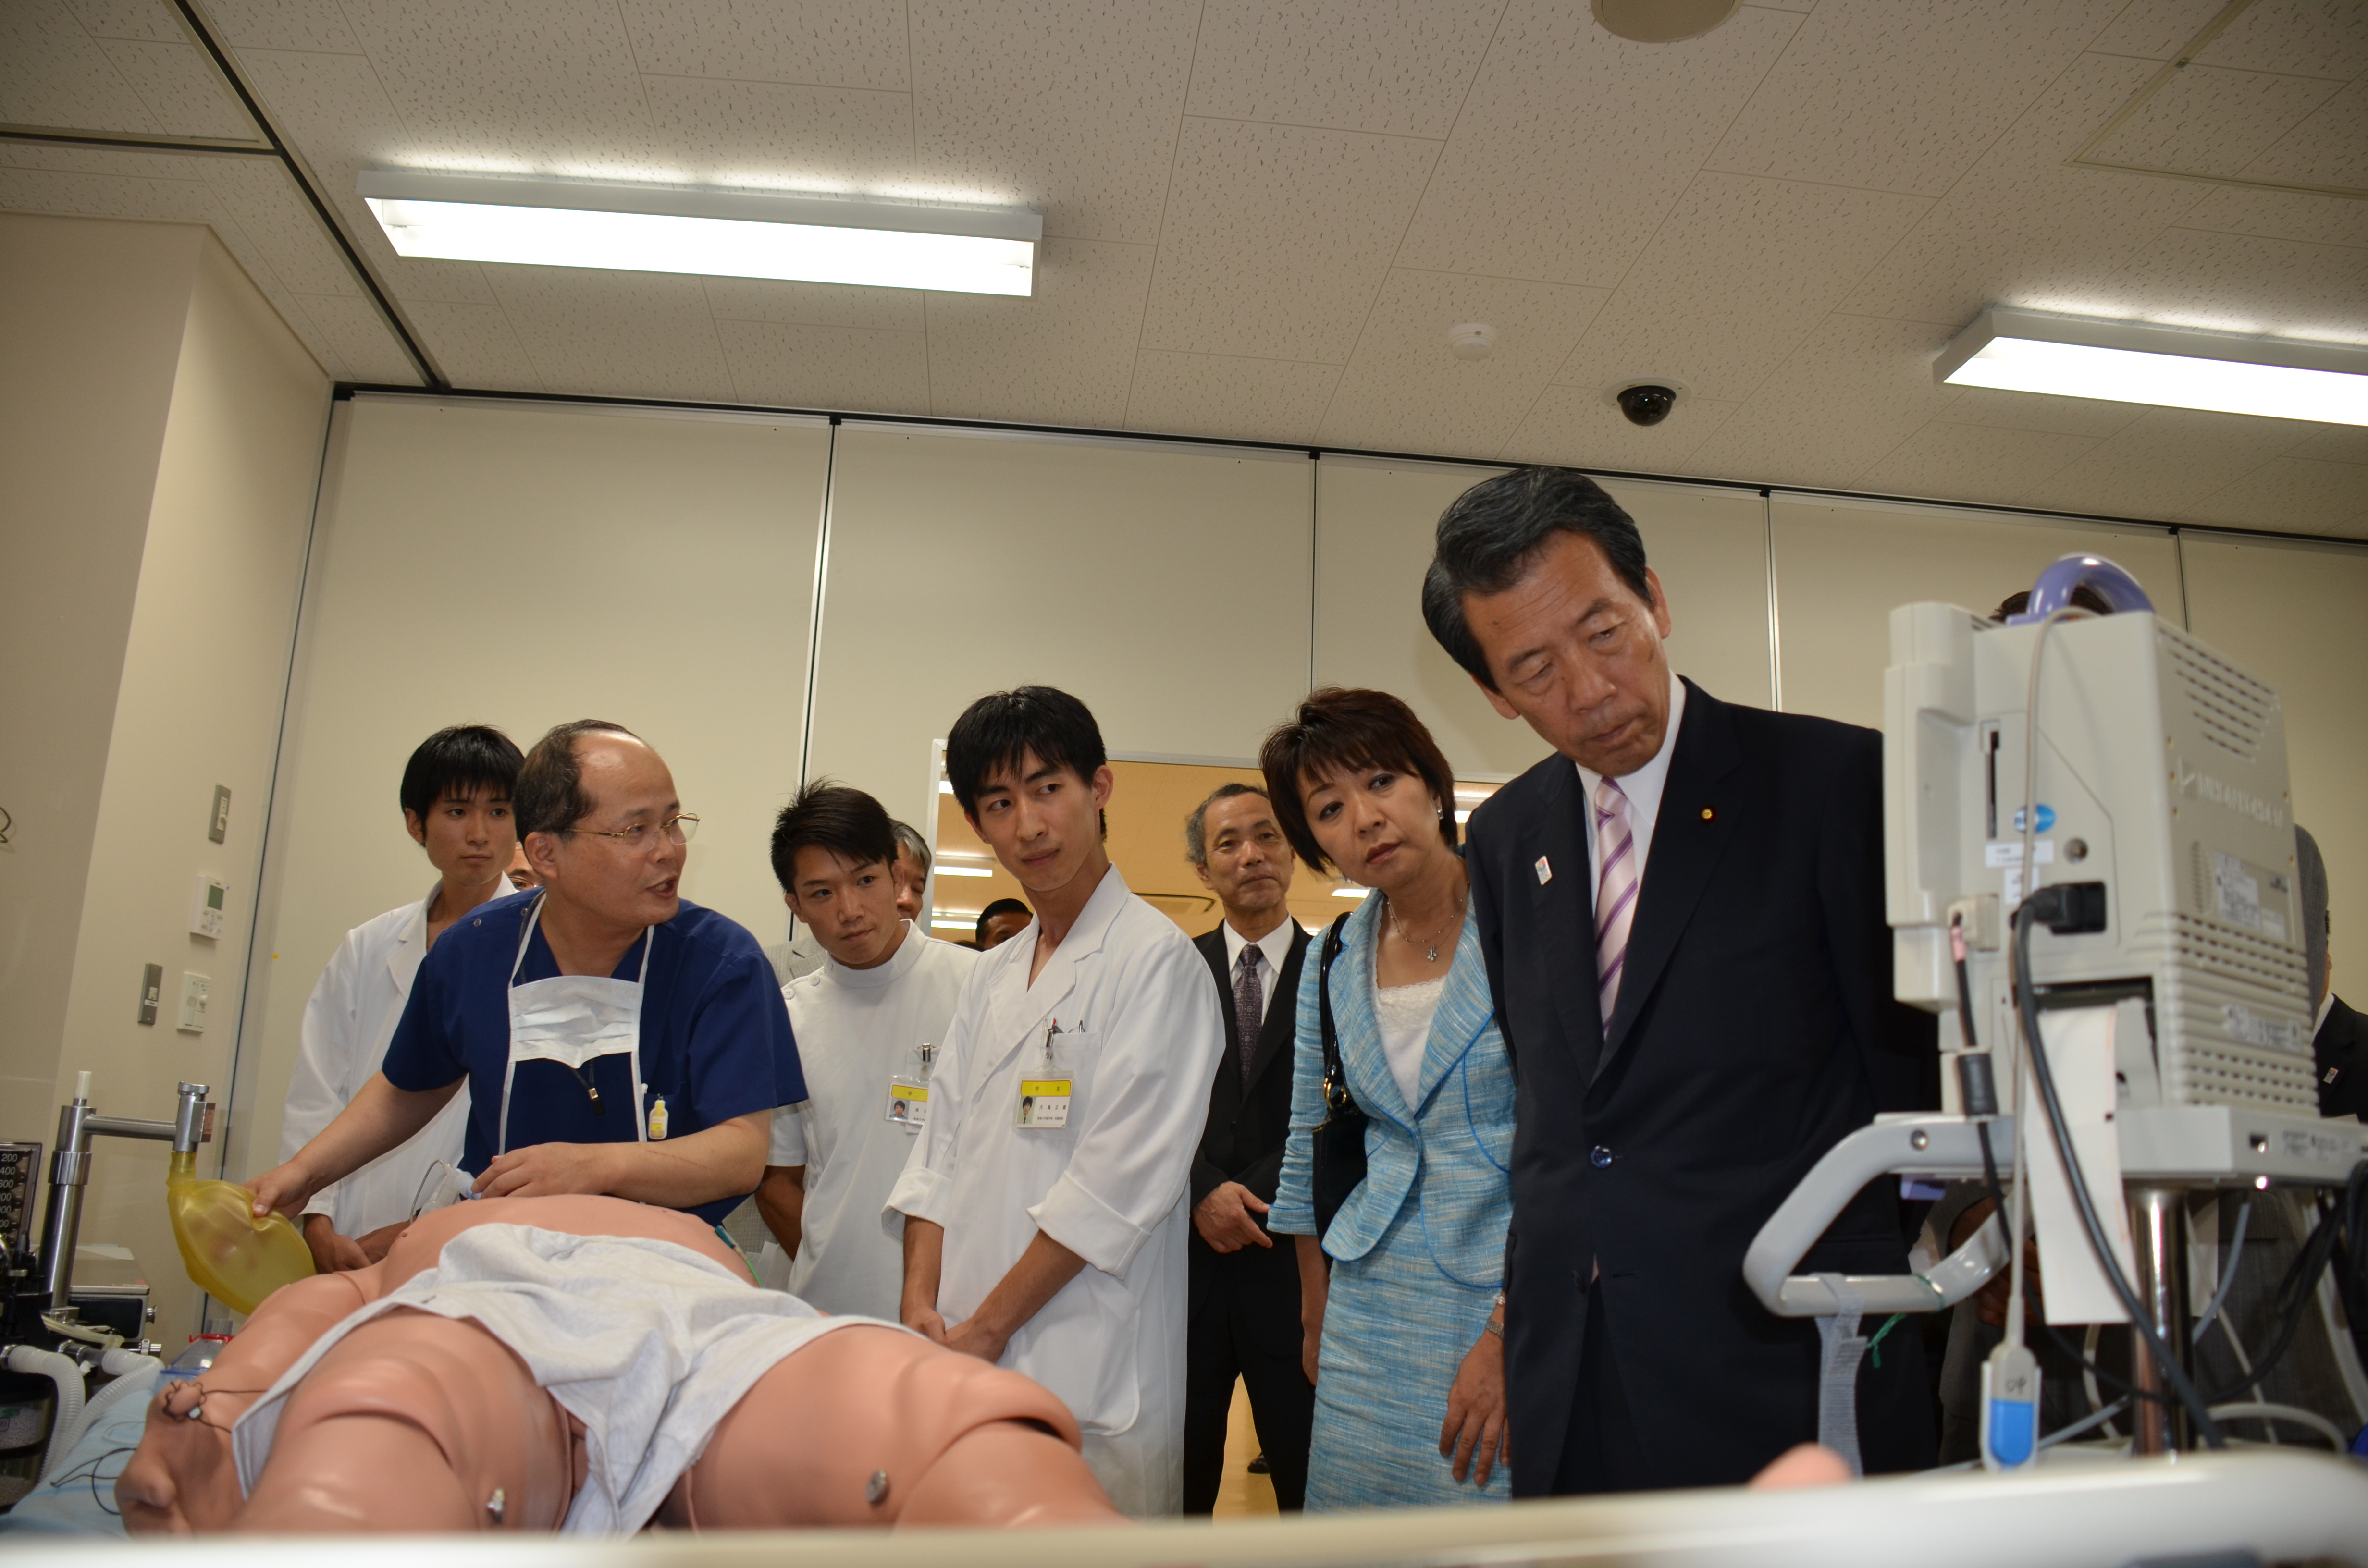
<point x="1496" y="1325"/>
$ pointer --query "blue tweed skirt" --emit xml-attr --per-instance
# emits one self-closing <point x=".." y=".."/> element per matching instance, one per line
<point x="1395" y="1331"/>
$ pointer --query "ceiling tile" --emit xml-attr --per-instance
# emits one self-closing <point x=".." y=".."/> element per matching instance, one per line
<point x="131" y="162"/>
<point x="833" y="43"/>
<point x="2036" y="411"/>
<point x="1065" y="106"/>
<point x="473" y="346"/>
<point x="1739" y="273"/>
<point x="615" y="334"/>
<point x="2023" y="229"/>
<point x="1574" y="144"/>
<point x="316" y="25"/>
<point x="2212" y="121"/>
<point x="2290" y="493"/>
<point x="2154" y="30"/>
<point x="1578" y="428"/>
<point x="151" y="19"/>
<point x="530" y="86"/>
<point x="2283" y="215"/>
<point x="2165" y="461"/>
<point x="766" y="135"/>
<point x="76" y="194"/>
<point x="265" y="202"/>
<point x="53" y="72"/>
<point x="1277" y="238"/>
<point x="2335" y="443"/>
<point x="1879" y="94"/>
<point x="1855" y="389"/>
<point x="182" y="89"/>
<point x="1063" y="358"/>
<point x="1972" y="462"/>
<point x="1405" y="391"/>
<point x="2302" y="38"/>
<point x="1229" y="396"/>
<point x="795" y="366"/>
<point x="2328" y="148"/>
<point x="1399" y="67"/>
<point x="361" y="337"/>
<point x="2242" y="283"/>
<point x="813" y="304"/>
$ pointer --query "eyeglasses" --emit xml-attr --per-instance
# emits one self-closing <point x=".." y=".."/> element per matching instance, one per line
<point x="680" y="828"/>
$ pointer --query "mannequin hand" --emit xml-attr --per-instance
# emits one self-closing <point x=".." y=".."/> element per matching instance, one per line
<point x="332" y="1252"/>
<point x="283" y="1189"/>
<point x="972" y="1338"/>
<point x="927" y="1322"/>
<point x="1225" y="1218"/>
<point x="374" y="1243"/>
<point x="1475" y="1428"/>
<point x="548" y="1169"/>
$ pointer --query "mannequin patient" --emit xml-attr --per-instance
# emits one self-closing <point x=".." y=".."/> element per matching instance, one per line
<point x="593" y="1365"/>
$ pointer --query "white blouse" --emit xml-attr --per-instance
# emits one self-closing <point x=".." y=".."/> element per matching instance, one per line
<point x="1403" y="1014"/>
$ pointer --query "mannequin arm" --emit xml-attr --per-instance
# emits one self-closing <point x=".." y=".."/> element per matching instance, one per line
<point x="381" y="1117"/>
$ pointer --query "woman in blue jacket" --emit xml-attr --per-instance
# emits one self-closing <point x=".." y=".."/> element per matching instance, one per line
<point x="1399" y="1296"/>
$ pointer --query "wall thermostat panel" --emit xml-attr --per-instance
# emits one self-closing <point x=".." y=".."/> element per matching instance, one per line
<point x="195" y="990"/>
<point x="205" y="909"/>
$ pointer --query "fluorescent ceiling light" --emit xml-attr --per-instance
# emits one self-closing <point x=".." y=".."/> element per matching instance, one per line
<point x="945" y="786"/>
<point x="968" y="922"/>
<point x="1350" y="893"/>
<point x="2167" y="366"/>
<point x="718" y="234"/>
<point x="946" y="870"/>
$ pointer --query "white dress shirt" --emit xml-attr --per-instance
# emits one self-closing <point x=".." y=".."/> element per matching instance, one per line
<point x="1643" y="789"/>
<point x="1273" y="947"/>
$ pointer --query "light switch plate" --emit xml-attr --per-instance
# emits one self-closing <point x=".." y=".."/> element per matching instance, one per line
<point x="218" y="827"/>
<point x="207" y="909"/>
<point x="151" y="991"/>
<point x="195" y="990"/>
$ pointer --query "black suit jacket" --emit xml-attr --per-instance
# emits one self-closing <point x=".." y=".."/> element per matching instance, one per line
<point x="2342" y="1049"/>
<point x="1754" y="1028"/>
<point x="1249" y="1121"/>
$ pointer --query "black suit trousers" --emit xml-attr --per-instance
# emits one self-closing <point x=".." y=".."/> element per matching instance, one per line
<point x="1244" y="1323"/>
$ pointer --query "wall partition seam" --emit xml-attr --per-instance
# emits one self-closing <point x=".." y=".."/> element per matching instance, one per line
<point x="1315" y="554"/>
<point x="2178" y="554"/>
<point x="821" y="584"/>
<point x="271" y="857"/>
<point x="1775" y="634"/>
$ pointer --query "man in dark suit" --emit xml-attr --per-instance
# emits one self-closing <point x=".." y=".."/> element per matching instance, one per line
<point x="2340" y="1034"/>
<point x="1244" y="1319"/>
<point x="1682" y="916"/>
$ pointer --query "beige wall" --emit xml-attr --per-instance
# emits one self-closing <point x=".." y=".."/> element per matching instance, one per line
<point x="211" y="561"/>
<point x="91" y="314"/>
<point x="2296" y="615"/>
<point x="1843" y="565"/>
<point x="1374" y="523"/>
<point x="1165" y="585"/>
<point x="523" y="564"/>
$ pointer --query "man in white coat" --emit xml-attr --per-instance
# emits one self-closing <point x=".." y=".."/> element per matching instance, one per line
<point x="1043" y="1213"/>
<point x="869" y="1024"/>
<point x="456" y="804"/>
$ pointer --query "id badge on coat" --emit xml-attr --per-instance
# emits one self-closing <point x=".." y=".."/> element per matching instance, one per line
<point x="1046" y="1085"/>
<point x="908" y="1092"/>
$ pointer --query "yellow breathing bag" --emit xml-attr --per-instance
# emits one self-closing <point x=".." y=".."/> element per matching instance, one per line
<point x="234" y="1257"/>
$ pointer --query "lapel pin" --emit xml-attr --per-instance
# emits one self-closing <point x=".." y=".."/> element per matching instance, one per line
<point x="1545" y="871"/>
<point x="1708" y="814"/>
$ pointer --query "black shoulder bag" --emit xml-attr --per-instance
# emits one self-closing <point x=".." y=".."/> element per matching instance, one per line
<point x="1340" y="1138"/>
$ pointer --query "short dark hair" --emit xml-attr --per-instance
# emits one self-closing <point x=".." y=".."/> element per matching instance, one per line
<point x="1000" y="906"/>
<point x="848" y="823"/>
<point x="1491" y="535"/>
<point x="459" y="759"/>
<point x="1000" y="728"/>
<point x="1196" y="838"/>
<point x="1337" y="729"/>
<point x="550" y="795"/>
<point x="908" y="839"/>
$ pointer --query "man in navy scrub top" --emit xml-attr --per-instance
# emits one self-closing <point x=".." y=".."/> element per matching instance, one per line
<point x="615" y="1037"/>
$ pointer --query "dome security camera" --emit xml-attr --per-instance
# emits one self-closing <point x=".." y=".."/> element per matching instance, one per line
<point x="1646" y="403"/>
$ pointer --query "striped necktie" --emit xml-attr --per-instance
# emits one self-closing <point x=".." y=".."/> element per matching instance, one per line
<point x="1249" y="1007"/>
<point x="1615" y="893"/>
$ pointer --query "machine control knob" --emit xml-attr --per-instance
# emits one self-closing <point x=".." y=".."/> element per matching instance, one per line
<point x="1599" y="1156"/>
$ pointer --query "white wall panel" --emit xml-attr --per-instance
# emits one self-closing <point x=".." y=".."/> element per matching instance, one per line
<point x="1165" y="585"/>
<point x="523" y="564"/>
<point x="2291" y="615"/>
<point x="1375" y="522"/>
<point x="1841" y="566"/>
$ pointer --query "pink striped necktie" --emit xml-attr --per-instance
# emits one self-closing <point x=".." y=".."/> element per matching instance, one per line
<point x="1616" y="892"/>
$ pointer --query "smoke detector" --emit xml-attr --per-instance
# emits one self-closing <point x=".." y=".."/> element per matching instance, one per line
<point x="1662" y="21"/>
<point x="1472" y="340"/>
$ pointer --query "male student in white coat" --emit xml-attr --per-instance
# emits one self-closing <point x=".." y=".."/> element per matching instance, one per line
<point x="868" y="1023"/>
<point x="456" y="804"/>
<point x="1043" y="1214"/>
